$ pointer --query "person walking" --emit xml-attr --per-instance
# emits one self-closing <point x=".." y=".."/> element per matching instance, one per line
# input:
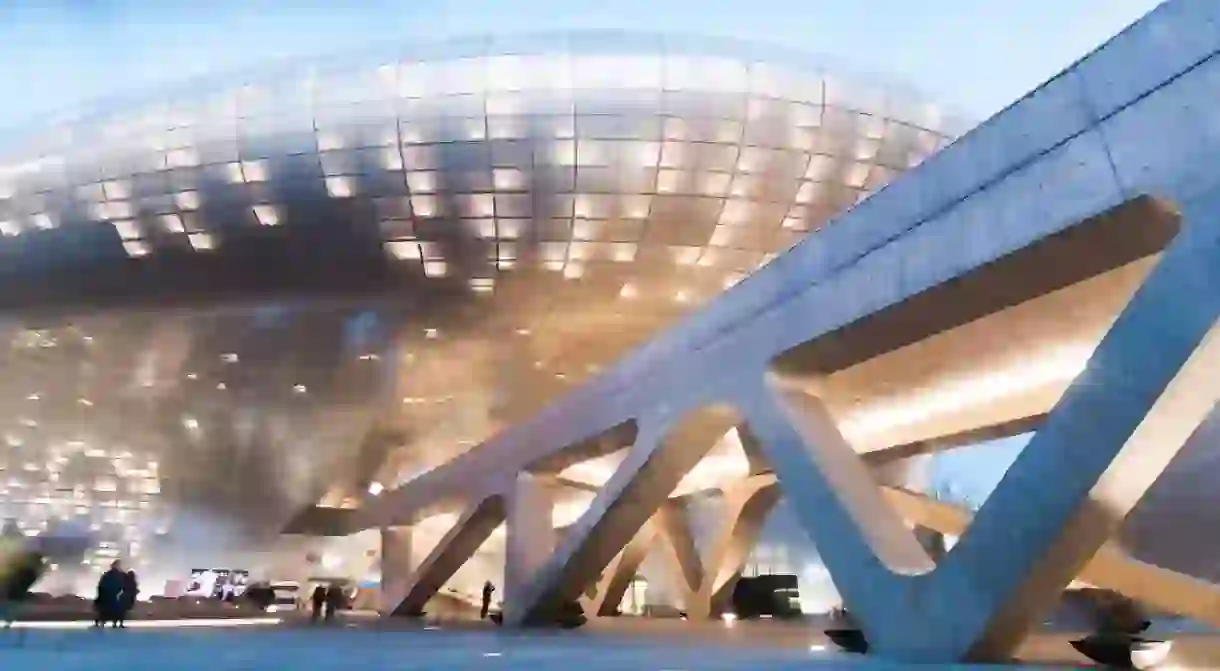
<point x="109" y="589"/>
<point x="334" y="599"/>
<point x="317" y="600"/>
<point x="488" y="590"/>
<point x="127" y="598"/>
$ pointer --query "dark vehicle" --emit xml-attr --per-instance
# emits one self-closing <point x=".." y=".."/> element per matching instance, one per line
<point x="767" y="596"/>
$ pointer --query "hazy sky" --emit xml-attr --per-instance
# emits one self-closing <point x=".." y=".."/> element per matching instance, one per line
<point x="975" y="54"/>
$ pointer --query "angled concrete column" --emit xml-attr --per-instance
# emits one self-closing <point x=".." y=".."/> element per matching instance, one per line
<point x="1146" y="388"/>
<point x="455" y="548"/>
<point x="398" y="564"/>
<point x="1111" y="568"/>
<point x="608" y="594"/>
<point x="746" y="506"/>
<point x="530" y="531"/>
<point x="678" y="544"/>
<point x="656" y="463"/>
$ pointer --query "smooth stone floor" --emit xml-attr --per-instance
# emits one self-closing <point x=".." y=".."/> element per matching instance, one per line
<point x="362" y="648"/>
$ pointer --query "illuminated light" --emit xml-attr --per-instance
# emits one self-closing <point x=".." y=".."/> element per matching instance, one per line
<point x="423" y="206"/>
<point x="857" y="175"/>
<point x="560" y="376"/>
<point x="492" y="654"/>
<point x="173" y="223"/>
<point x="729" y="618"/>
<point x="43" y="221"/>
<point x="431" y="334"/>
<point x="329" y="141"/>
<point x="391" y="159"/>
<point x="1060" y="365"/>
<point x="10" y="228"/>
<point x="716" y="183"/>
<point x="299" y="389"/>
<point x="267" y="215"/>
<point x="192" y="376"/>
<point x="201" y="242"/>
<point x="667" y="180"/>
<point x="805" y="195"/>
<point x="483" y="205"/>
<point x="375" y="488"/>
<point x="33" y="397"/>
<point x="506" y="179"/>
<point x="221" y="386"/>
<point x="403" y="249"/>
<point x="482" y="284"/>
<point x="135" y="248"/>
<point x="476" y="129"/>
<point x="190" y="423"/>
<point x="629" y="290"/>
<point x="85" y="402"/>
<point x="523" y="332"/>
<point x="254" y="171"/>
<point x="187" y="200"/>
<point x="624" y="252"/>
<point x="229" y="357"/>
<point x="370" y="357"/>
<point x="338" y="187"/>
<point x="436" y="268"/>
<point x="421" y="181"/>
<point x="682" y="296"/>
<point x="182" y="158"/>
<point x="126" y="229"/>
<point x="817" y="647"/>
<point x="116" y="190"/>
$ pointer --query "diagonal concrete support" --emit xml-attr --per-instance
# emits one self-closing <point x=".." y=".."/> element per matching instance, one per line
<point x="1111" y="568"/>
<point x="678" y="544"/>
<point x="609" y="592"/>
<point x="397" y="566"/>
<point x="655" y="464"/>
<point x="455" y="548"/>
<point x="530" y="531"/>
<point x="746" y="506"/>
<point x="1150" y="382"/>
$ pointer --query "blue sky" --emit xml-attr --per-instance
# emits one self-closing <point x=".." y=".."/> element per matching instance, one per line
<point x="975" y="55"/>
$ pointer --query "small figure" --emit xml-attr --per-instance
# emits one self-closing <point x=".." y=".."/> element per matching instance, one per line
<point x="317" y="600"/>
<point x="127" y="599"/>
<point x="488" y="590"/>
<point x="334" y="599"/>
<point x="109" y="588"/>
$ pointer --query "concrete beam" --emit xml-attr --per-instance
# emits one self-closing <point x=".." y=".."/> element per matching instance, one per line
<point x="1105" y="442"/>
<point x="1111" y="568"/>
<point x="455" y="548"/>
<point x="608" y="594"/>
<point x="661" y="456"/>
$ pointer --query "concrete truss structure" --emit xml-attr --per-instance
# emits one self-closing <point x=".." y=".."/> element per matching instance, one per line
<point x="1056" y="267"/>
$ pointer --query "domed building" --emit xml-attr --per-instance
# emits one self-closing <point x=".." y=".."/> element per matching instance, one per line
<point x="243" y="297"/>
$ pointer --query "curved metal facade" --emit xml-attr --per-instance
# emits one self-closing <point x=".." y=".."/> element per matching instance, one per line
<point x="513" y="216"/>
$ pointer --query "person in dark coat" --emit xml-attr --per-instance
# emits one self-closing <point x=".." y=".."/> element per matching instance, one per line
<point x="109" y="589"/>
<point x="317" y="600"/>
<point x="16" y="580"/>
<point x="127" y="599"/>
<point x="488" y="590"/>
<point x="334" y="599"/>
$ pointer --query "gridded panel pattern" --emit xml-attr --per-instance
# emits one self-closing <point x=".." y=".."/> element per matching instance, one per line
<point x="552" y="202"/>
